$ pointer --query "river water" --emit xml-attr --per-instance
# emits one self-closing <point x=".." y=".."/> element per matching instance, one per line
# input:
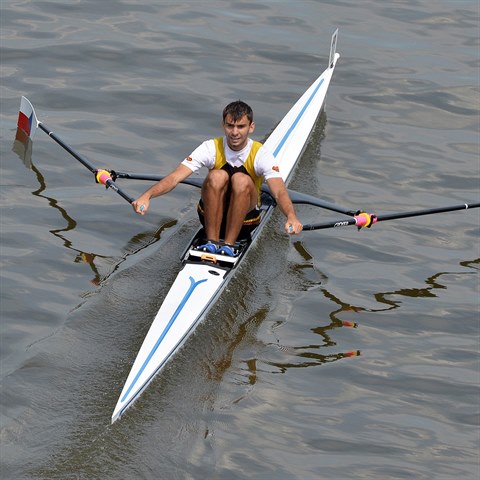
<point x="275" y="383"/>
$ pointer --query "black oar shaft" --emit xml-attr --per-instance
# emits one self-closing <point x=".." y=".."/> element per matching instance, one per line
<point x="334" y="224"/>
<point x="360" y="219"/>
<point x="296" y="197"/>
<point x="429" y="211"/>
<point x="305" y="199"/>
<point x="195" y="181"/>
<point x="70" y="150"/>
<point x="109" y="183"/>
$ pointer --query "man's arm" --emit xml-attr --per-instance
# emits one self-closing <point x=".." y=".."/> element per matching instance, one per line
<point x="142" y="203"/>
<point x="280" y="194"/>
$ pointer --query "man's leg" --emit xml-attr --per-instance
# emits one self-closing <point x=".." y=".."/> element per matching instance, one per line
<point x="243" y="198"/>
<point x="214" y="190"/>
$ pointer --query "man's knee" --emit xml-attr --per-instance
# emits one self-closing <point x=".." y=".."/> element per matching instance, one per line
<point x="242" y="183"/>
<point x="242" y="186"/>
<point x="216" y="179"/>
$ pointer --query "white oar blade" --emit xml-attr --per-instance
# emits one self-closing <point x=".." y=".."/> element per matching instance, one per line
<point x="27" y="119"/>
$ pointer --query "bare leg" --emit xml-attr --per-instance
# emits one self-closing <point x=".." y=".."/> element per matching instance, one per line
<point x="213" y="195"/>
<point x="243" y="198"/>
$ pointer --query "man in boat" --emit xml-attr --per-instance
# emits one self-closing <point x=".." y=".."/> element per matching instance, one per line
<point x="230" y="197"/>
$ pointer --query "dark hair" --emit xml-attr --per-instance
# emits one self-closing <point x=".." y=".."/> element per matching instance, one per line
<point x="237" y="110"/>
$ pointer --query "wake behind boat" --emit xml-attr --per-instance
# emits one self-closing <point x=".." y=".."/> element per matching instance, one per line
<point x="204" y="276"/>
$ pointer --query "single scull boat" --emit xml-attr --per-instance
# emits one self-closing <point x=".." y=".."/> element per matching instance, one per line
<point x="204" y="276"/>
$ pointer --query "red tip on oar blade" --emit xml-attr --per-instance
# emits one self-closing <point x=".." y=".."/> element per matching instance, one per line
<point x="24" y="123"/>
<point x="102" y="176"/>
<point x="27" y="120"/>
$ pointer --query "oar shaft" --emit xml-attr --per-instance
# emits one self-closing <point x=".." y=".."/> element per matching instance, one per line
<point x="111" y="184"/>
<point x="195" y="182"/>
<point x="70" y="150"/>
<point x="429" y="211"/>
<point x="305" y="199"/>
<point x="334" y="224"/>
<point x="362" y="220"/>
<point x="296" y="197"/>
<point x="107" y="181"/>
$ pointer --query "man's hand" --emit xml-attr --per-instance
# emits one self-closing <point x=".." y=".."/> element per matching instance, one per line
<point x="141" y="204"/>
<point x="280" y="194"/>
<point x="293" y="226"/>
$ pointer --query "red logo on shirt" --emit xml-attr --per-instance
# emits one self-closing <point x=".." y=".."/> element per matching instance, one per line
<point x="189" y="159"/>
<point x="276" y="168"/>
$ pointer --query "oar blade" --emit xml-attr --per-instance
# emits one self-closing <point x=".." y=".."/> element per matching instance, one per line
<point x="27" y="118"/>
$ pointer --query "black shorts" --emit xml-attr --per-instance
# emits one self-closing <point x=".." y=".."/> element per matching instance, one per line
<point x="252" y="219"/>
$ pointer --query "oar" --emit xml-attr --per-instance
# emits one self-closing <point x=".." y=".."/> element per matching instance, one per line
<point x="296" y="197"/>
<point x="195" y="181"/>
<point x="28" y="122"/>
<point x="305" y="199"/>
<point x="363" y="219"/>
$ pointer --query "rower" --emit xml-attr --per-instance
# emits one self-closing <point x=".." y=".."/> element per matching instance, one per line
<point x="230" y="200"/>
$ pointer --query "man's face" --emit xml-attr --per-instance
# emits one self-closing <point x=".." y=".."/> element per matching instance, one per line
<point x="237" y="131"/>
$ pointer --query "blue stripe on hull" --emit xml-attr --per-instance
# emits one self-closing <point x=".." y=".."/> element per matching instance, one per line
<point x="299" y="116"/>
<point x="193" y="284"/>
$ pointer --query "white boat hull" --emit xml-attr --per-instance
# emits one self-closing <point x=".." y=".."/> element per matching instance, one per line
<point x="203" y="278"/>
